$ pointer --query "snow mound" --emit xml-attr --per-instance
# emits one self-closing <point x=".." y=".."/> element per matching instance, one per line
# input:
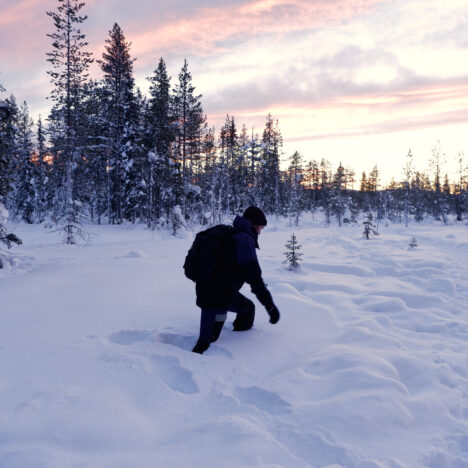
<point x="134" y="254"/>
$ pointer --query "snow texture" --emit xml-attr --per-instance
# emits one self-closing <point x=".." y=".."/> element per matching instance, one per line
<point x="367" y="368"/>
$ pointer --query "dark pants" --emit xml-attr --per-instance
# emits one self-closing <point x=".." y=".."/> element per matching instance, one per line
<point x="212" y="321"/>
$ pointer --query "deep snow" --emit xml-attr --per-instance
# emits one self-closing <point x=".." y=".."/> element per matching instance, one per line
<point x="368" y="367"/>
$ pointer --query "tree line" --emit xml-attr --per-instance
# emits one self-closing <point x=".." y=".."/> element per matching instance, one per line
<point x="108" y="153"/>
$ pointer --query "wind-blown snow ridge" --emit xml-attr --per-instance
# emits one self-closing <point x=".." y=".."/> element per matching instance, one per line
<point x="367" y="368"/>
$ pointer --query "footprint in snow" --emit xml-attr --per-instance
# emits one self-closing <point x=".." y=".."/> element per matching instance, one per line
<point x="185" y="342"/>
<point x="173" y="374"/>
<point x="129" y="337"/>
<point x="219" y="351"/>
<point x="264" y="400"/>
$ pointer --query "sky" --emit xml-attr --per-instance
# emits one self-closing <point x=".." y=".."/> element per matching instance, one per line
<point x="359" y="82"/>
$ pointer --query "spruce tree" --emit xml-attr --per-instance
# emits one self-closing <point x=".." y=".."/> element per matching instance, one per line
<point x="292" y="254"/>
<point x="229" y="157"/>
<point x="408" y="172"/>
<point x="270" y="173"/>
<point x="121" y="122"/>
<point x="254" y="167"/>
<point x="296" y="189"/>
<point x="95" y="172"/>
<point x="158" y="140"/>
<point x="338" y="199"/>
<point x="27" y="172"/>
<point x="42" y="173"/>
<point x="7" y="143"/>
<point x="70" y="63"/>
<point x="369" y="227"/>
<point x="190" y="125"/>
<point x="461" y="187"/>
<point x="436" y="164"/>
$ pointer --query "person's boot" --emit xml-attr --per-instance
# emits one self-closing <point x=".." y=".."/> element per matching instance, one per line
<point x="242" y="327"/>
<point x="217" y="327"/>
<point x="201" y="347"/>
<point x="245" y="319"/>
<point x="243" y="322"/>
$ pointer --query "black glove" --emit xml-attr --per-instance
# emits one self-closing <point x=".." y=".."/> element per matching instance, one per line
<point x="274" y="314"/>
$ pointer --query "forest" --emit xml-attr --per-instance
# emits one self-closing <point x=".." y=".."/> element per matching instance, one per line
<point x="106" y="153"/>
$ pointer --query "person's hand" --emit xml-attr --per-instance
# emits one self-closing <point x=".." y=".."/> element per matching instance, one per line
<point x="274" y="314"/>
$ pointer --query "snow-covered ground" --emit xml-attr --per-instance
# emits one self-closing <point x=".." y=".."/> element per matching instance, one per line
<point x="368" y="367"/>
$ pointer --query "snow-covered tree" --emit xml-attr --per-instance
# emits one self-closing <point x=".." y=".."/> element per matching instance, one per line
<point x="7" y="142"/>
<point x="461" y="187"/>
<point x="189" y="128"/>
<point x="27" y="173"/>
<point x="292" y="254"/>
<point x="436" y="164"/>
<point x="408" y="172"/>
<point x="158" y="140"/>
<point x="369" y="227"/>
<point x="121" y="120"/>
<point x="70" y="62"/>
<point x="295" y="193"/>
<point x="177" y="220"/>
<point x="42" y="174"/>
<point x="269" y="177"/>
<point x="338" y="201"/>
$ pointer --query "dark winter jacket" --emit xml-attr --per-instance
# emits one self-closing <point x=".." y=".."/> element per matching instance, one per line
<point x="238" y="265"/>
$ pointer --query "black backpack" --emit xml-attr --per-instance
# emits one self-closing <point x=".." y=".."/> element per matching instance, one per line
<point x="207" y="253"/>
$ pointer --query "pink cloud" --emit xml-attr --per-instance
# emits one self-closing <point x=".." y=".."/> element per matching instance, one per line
<point x="19" y="11"/>
<point x="209" y="27"/>
<point x="409" y="108"/>
<point x="432" y="120"/>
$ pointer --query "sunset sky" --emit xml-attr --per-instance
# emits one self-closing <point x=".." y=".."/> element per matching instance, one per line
<point x="356" y="81"/>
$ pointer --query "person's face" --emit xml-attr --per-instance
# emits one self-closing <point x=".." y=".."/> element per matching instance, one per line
<point x="259" y="229"/>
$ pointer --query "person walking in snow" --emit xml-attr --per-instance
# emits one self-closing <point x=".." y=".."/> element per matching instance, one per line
<point x="238" y="265"/>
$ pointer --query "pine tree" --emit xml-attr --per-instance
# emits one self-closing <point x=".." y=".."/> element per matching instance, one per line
<point x="159" y="137"/>
<point x="70" y="63"/>
<point x="338" y="199"/>
<point x="27" y="172"/>
<point x="461" y="187"/>
<point x="7" y="142"/>
<point x="95" y="172"/>
<point x="190" y="125"/>
<point x="292" y="254"/>
<point x="369" y="227"/>
<point x="122" y="123"/>
<point x="408" y="172"/>
<point x="177" y="220"/>
<point x="423" y="194"/>
<point x="436" y="164"/>
<point x="254" y="167"/>
<point x="325" y="191"/>
<point x="228" y="150"/>
<point x="42" y="173"/>
<point x="296" y="190"/>
<point x="270" y="173"/>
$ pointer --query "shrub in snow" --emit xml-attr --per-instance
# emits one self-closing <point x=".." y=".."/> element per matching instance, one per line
<point x="413" y="244"/>
<point x="7" y="238"/>
<point x="293" y="257"/>
<point x="177" y="220"/>
<point x="369" y="228"/>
